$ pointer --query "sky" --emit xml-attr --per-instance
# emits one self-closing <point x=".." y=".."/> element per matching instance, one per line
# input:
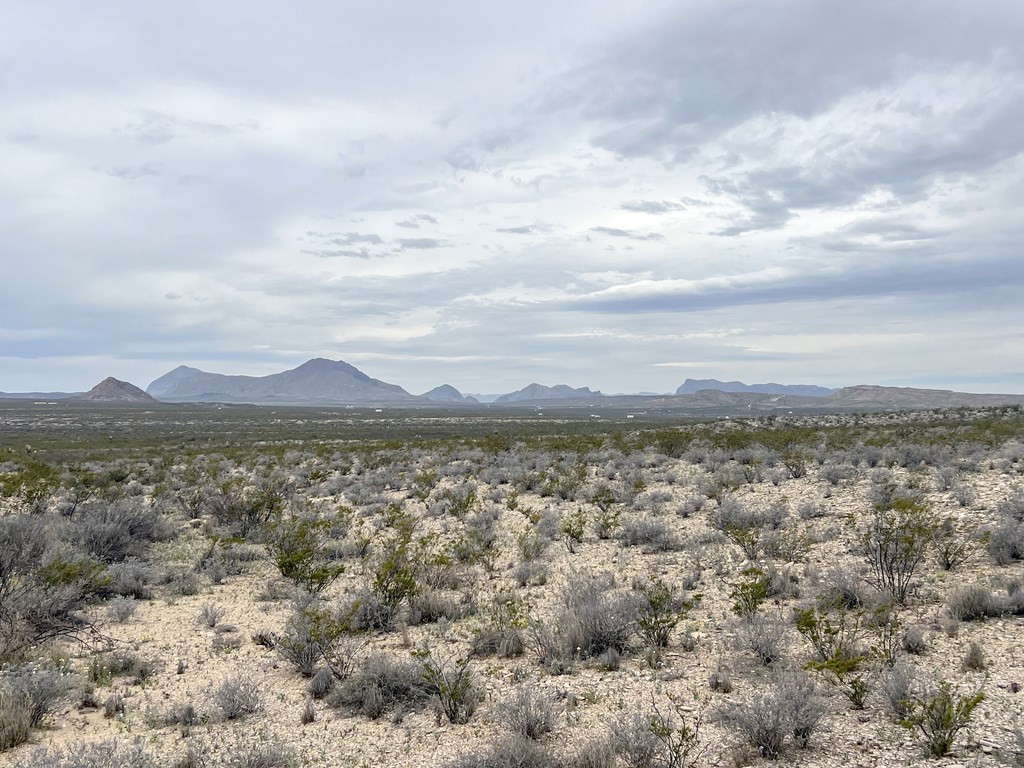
<point x="613" y="195"/>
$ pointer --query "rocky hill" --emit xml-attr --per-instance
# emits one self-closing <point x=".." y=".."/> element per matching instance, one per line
<point x="317" y="381"/>
<point x="112" y="390"/>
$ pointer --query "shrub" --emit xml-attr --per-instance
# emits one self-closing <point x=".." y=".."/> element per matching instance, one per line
<point x="512" y="752"/>
<point x="39" y="687"/>
<point x="788" y="706"/>
<point x="237" y="697"/>
<point x="952" y="548"/>
<point x="810" y="510"/>
<point x="748" y="594"/>
<point x="451" y="682"/>
<point x="896" y="542"/>
<point x="1006" y="542"/>
<point x="764" y="636"/>
<point x="528" y="712"/>
<point x="430" y="606"/>
<point x="596" y="753"/>
<point x="504" y="635"/>
<point x="661" y="610"/>
<point x="112" y="533"/>
<point x="42" y="584"/>
<point x="940" y="715"/>
<point x="761" y="722"/>
<point x="260" y="753"/>
<point x="658" y="738"/>
<point x="898" y="687"/>
<point x="96" y="754"/>
<point x="804" y="706"/>
<point x="15" y="719"/>
<point x="974" y="659"/>
<point x="210" y="614"/>
<point x="833" y="630"/>
<point x="380" y="684"/>
<point x="844" y="587"/>
<point x="301" y="643"/>
<point x="964" y="494"/>
<point x="299" y="548"/>
<point x="120" y="609"/>
<point x="651" y="533"/>
<point x="972" y="603"/>
<point x="129" y="578"/>
<point x="594" y="619"/>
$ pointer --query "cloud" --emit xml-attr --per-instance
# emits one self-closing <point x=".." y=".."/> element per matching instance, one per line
<point x="627" y="233"/>
<point x="825" y="175"/>
<point x="416" y="221"/>
<point x="655" y="207"/>
<point x="421" y="243"/>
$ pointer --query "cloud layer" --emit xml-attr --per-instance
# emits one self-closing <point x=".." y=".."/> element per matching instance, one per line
<point x="824" y="192"/>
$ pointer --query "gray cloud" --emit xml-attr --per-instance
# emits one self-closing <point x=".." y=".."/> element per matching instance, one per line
<point x="655" y="207"/>
<point x="421" y="243"/>
<point x="833" y="181"/>
<point x="416" y="221"/>
<point x="627" y="233"/>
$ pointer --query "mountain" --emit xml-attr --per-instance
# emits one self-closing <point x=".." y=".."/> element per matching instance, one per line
<point x="38" y="395"/>
<point x="690" y="386"/>
<point x="112" y="390"/>
<point x="317" y="381"/>
<point x="541" y="392"/>
<point x="446" y="393"/>
<point x="869" y="396"/>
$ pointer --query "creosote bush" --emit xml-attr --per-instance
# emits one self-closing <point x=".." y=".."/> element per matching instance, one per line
<point x="896" y="542"/>
<point x="939" y="715"/>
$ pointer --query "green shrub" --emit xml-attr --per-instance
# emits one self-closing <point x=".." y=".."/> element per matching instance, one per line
<point x="896" y="542"/>
<point x="748" y="594"/>
<point x="299" y="547"/>
<point x="452" y="685"/>
<point x="940" y="715"/>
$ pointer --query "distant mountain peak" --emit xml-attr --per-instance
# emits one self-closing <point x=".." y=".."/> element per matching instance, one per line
<point x="446" y="393"/>
<point x="112" y="390"/>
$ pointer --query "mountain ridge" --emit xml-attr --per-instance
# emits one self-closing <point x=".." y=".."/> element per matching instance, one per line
<point x="692" y="386"/>
<point x="536" y="391"/>
<point x="315" y="381"/>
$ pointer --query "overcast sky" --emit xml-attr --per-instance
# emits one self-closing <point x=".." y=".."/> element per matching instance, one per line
<point x="604" y="194"/>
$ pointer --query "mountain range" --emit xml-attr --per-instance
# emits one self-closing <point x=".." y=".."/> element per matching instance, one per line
<point x="690" y="386"/>
<point x="335" y="382"/>
<point x="315" y="381"/>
